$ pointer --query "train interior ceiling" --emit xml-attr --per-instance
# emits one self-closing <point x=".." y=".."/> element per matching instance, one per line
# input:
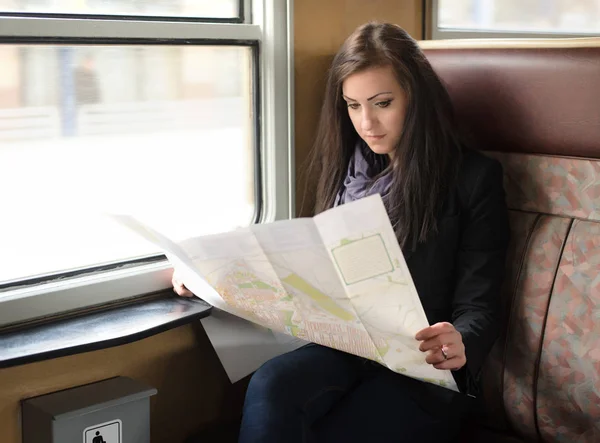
<point x="198" y="117"/>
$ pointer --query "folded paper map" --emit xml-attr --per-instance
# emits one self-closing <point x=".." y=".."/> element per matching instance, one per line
<point x="338" y="279"/>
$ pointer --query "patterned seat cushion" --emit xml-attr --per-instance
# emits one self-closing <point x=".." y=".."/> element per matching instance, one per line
<point x="542" y="379"/>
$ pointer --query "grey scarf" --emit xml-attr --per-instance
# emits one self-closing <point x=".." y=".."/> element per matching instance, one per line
<point x="363" y="177"/>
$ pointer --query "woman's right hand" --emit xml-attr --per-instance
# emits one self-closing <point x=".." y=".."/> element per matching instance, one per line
<point x="178" y="286"/>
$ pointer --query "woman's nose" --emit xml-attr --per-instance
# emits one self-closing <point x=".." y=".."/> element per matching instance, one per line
<point x="367" y="121"/>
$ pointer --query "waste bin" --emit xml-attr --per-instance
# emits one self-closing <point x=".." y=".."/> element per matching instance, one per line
<point x="116" y="410"/>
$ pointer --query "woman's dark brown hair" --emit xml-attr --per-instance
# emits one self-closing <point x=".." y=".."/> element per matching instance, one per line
<point x="427" y="157"/>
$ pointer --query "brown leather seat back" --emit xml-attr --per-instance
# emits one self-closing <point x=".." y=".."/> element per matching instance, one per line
<point x="536" y="107"/>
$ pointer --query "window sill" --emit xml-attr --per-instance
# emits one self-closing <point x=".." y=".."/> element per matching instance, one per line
<point x="99" y="330"/>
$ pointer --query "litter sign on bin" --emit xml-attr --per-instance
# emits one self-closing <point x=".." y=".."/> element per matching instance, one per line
<point x="109" y="432"/>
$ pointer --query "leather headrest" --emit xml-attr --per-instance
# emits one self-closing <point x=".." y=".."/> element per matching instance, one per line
<point x="534" y="96"/>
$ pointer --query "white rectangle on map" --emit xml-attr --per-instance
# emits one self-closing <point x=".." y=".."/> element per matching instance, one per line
<point x="363" y="259"/>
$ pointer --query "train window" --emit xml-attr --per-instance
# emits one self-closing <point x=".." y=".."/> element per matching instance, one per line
<point x="516" y="18"/>
<point x="167" y="8"/>
<point x="122" y="129"/>
<point x="175" y="122"/>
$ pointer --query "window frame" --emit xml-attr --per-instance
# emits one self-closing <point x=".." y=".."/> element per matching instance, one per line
<point x="243" y="8"/>
<point x="267" y="28"/>
<point x="436" y="33"/>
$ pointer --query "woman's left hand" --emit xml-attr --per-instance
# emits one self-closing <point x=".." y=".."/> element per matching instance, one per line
<point x="444" y="346"/>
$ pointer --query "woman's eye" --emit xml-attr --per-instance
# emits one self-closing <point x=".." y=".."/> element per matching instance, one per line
<point x="384" y="104"/>
<point x="353" y="105"/>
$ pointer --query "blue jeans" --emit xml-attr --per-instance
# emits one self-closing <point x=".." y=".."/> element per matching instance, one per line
<point x="318" y="394"/>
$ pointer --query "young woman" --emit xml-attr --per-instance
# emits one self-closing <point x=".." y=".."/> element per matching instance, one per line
<point x="387" y="127"/>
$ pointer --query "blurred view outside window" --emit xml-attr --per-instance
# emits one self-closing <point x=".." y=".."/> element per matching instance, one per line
<point x="183" y="8"/>
<point x="536" y="16"/>
<point x="165" y="133"/>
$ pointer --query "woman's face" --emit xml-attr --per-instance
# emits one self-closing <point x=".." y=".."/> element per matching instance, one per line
<point x="376" y="106"/>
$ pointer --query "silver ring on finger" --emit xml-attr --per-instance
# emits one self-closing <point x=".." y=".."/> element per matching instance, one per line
<point x="444" y="353"/>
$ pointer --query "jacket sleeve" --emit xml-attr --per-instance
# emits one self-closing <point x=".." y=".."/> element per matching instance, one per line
<point x="480" y="270"/>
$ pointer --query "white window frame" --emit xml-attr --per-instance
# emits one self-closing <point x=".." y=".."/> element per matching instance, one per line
<point x="268" y="23"/>
<point x="457" y="33"/>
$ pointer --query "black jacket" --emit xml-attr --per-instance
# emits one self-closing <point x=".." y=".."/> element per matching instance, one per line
<point x="459" y="271"/>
